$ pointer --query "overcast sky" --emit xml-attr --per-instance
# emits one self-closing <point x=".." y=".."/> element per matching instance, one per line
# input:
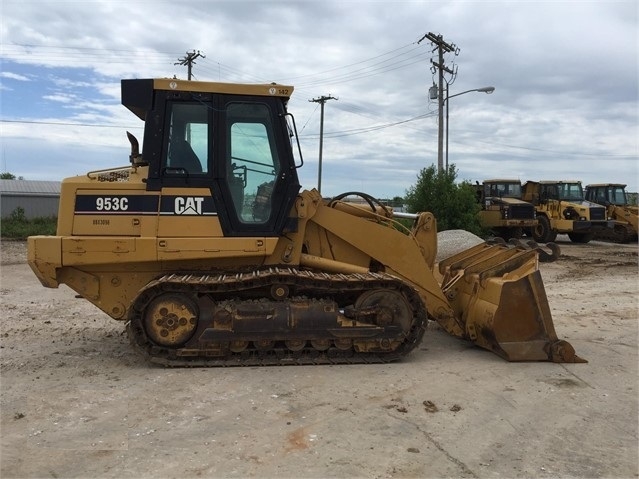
<point x="565" y="76"/>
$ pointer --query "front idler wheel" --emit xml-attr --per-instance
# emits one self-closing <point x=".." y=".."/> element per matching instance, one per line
<point x="390" y="307"/>
<point x="171" y="319"/>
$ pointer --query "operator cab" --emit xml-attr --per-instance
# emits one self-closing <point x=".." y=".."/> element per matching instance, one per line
<point x="502" y="189"/>
<point x="231" y="139"/>
<point x="562" y="191"/>
<point x="607" y="194"/>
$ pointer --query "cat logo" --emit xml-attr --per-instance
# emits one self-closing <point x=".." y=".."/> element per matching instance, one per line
<point x="188" y="206"/>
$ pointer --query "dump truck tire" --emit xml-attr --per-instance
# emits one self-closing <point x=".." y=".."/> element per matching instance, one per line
<point x="543" y="233"/>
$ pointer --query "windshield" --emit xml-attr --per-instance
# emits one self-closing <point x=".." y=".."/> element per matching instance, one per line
<point x="504" y="190"/>
<point x="617" y="195"/>
<point x="570" y="191"/>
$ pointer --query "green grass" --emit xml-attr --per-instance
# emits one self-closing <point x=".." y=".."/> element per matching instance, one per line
<point x="18" y="227"/>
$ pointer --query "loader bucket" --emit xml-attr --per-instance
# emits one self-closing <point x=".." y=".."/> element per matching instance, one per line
<point x="499" y="300"/>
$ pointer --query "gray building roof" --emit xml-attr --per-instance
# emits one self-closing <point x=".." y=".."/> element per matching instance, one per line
<point x="29" y="188"/>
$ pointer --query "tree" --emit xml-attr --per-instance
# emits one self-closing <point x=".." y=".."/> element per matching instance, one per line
<point x="454" y="205"/>
<point x="397" y="201"/>
<point x="7" y="176"/>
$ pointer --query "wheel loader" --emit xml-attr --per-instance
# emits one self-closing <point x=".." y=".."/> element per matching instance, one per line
<point x="625" y="216"/>
<point x="562" y="209"/>
<point x="207" y="250"/>
<point x="502" y="210"/>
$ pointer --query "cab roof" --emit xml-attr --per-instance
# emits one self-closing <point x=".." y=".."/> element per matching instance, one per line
<point x="554" y="182"/>
<point x="503" y="181"/>
<point x="599" y="185"/>
<point x="137" y="94"/>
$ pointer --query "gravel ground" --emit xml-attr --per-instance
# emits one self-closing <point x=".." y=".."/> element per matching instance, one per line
<point x="76" y="401"/>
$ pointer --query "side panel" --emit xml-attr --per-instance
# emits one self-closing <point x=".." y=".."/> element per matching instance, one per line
<point x="114" y="212"/>
<point x="206" y="251"/>
<point x="188" y="212"/>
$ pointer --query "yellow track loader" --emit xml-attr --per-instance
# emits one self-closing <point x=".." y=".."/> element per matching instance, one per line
<point x="207" y="250"/>
<point x="625" y="216"/>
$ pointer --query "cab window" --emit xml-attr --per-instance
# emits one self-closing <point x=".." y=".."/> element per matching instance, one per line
<point x="254" y="164"/>
<point x="617" y="195"/>
<point x="186" y="152"/>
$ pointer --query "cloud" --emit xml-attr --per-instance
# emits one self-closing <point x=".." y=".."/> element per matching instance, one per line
<point x="14" y="76"/>
<point x="59" y="98"/>
<point x="565" y="75"/>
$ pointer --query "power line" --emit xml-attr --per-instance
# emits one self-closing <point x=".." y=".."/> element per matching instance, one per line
<point x="23" y="53"/>
<point x="556" y="152"/>
<point x="31" y="53"/>
<point x="368" y="70"/>
<point x="351" y="64"/>
<point x="62" y="123"/>
<point x="60" y="47"/>
<point x="357" y="131"/>
<point x="373" y="69"/>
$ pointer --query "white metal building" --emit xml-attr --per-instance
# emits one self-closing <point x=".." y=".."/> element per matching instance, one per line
<point x="36" y="198"/>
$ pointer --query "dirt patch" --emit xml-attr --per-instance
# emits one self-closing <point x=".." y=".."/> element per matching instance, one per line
<point x="13" y="252"/>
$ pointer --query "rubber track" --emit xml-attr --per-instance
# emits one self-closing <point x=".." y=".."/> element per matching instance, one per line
<point x="232" y="285"/>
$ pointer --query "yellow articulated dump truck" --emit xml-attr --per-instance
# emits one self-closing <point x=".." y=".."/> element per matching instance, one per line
<point x="625" y="216"/>
<point x="502" y="210"/>
<point x="207" y="250"/>
<point x="562" y="209"/>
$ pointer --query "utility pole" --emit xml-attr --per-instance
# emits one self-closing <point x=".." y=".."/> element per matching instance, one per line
<point x="189" y="60"/>
<point x="442" y="47"/>
<point x="321" y="100"/>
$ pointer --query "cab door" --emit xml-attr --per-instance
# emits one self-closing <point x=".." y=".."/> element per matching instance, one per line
<point x="255" y="176"/>
<point x="187" y="208"/>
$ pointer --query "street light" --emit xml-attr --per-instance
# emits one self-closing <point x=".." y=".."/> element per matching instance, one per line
<point x="487" y="89"/>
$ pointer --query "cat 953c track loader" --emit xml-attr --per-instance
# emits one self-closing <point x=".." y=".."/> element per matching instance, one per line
<point x="208" y="251"/>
